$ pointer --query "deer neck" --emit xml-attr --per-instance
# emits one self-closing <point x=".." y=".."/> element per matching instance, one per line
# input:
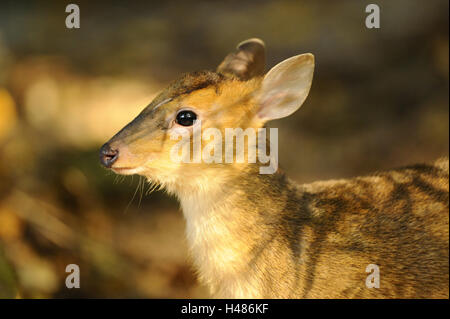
<point x="225" y="224"/>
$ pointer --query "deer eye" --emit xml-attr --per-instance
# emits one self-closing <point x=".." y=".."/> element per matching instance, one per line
<point x="186" y="118"/>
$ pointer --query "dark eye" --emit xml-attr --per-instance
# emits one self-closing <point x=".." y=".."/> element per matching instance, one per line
<point x="186" y="118"/>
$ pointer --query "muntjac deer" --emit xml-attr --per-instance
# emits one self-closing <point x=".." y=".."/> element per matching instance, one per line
<point x="260" y="235"/>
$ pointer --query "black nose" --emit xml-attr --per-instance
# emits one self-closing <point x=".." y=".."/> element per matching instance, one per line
<point x="108" y="156"/>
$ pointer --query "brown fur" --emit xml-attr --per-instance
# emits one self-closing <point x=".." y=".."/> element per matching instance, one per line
<point x="326" y="233"/>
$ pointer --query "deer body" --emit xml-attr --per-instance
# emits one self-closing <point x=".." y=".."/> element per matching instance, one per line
<point x="255" y="235"/>
<point x="268" y="238"/>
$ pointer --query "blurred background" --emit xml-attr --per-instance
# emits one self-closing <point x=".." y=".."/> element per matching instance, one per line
<point x="379" y="100"/>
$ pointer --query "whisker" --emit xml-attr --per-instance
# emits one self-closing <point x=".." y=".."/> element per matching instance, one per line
<point x="141" y="186"/>
<point x="134" y="195"/>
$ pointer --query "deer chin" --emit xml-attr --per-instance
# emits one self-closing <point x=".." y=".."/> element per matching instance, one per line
<point x="127" y="170"/>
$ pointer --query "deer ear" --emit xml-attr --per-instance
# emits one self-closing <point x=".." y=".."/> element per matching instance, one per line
<point x="249" y="60"/>
<point x="285" y="87"/>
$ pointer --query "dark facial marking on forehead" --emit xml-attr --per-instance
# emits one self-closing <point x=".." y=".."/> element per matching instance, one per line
<point x="190" y="82"/>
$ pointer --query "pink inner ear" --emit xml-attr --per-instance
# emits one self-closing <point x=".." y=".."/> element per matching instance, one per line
<point x="270" y="101"/>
